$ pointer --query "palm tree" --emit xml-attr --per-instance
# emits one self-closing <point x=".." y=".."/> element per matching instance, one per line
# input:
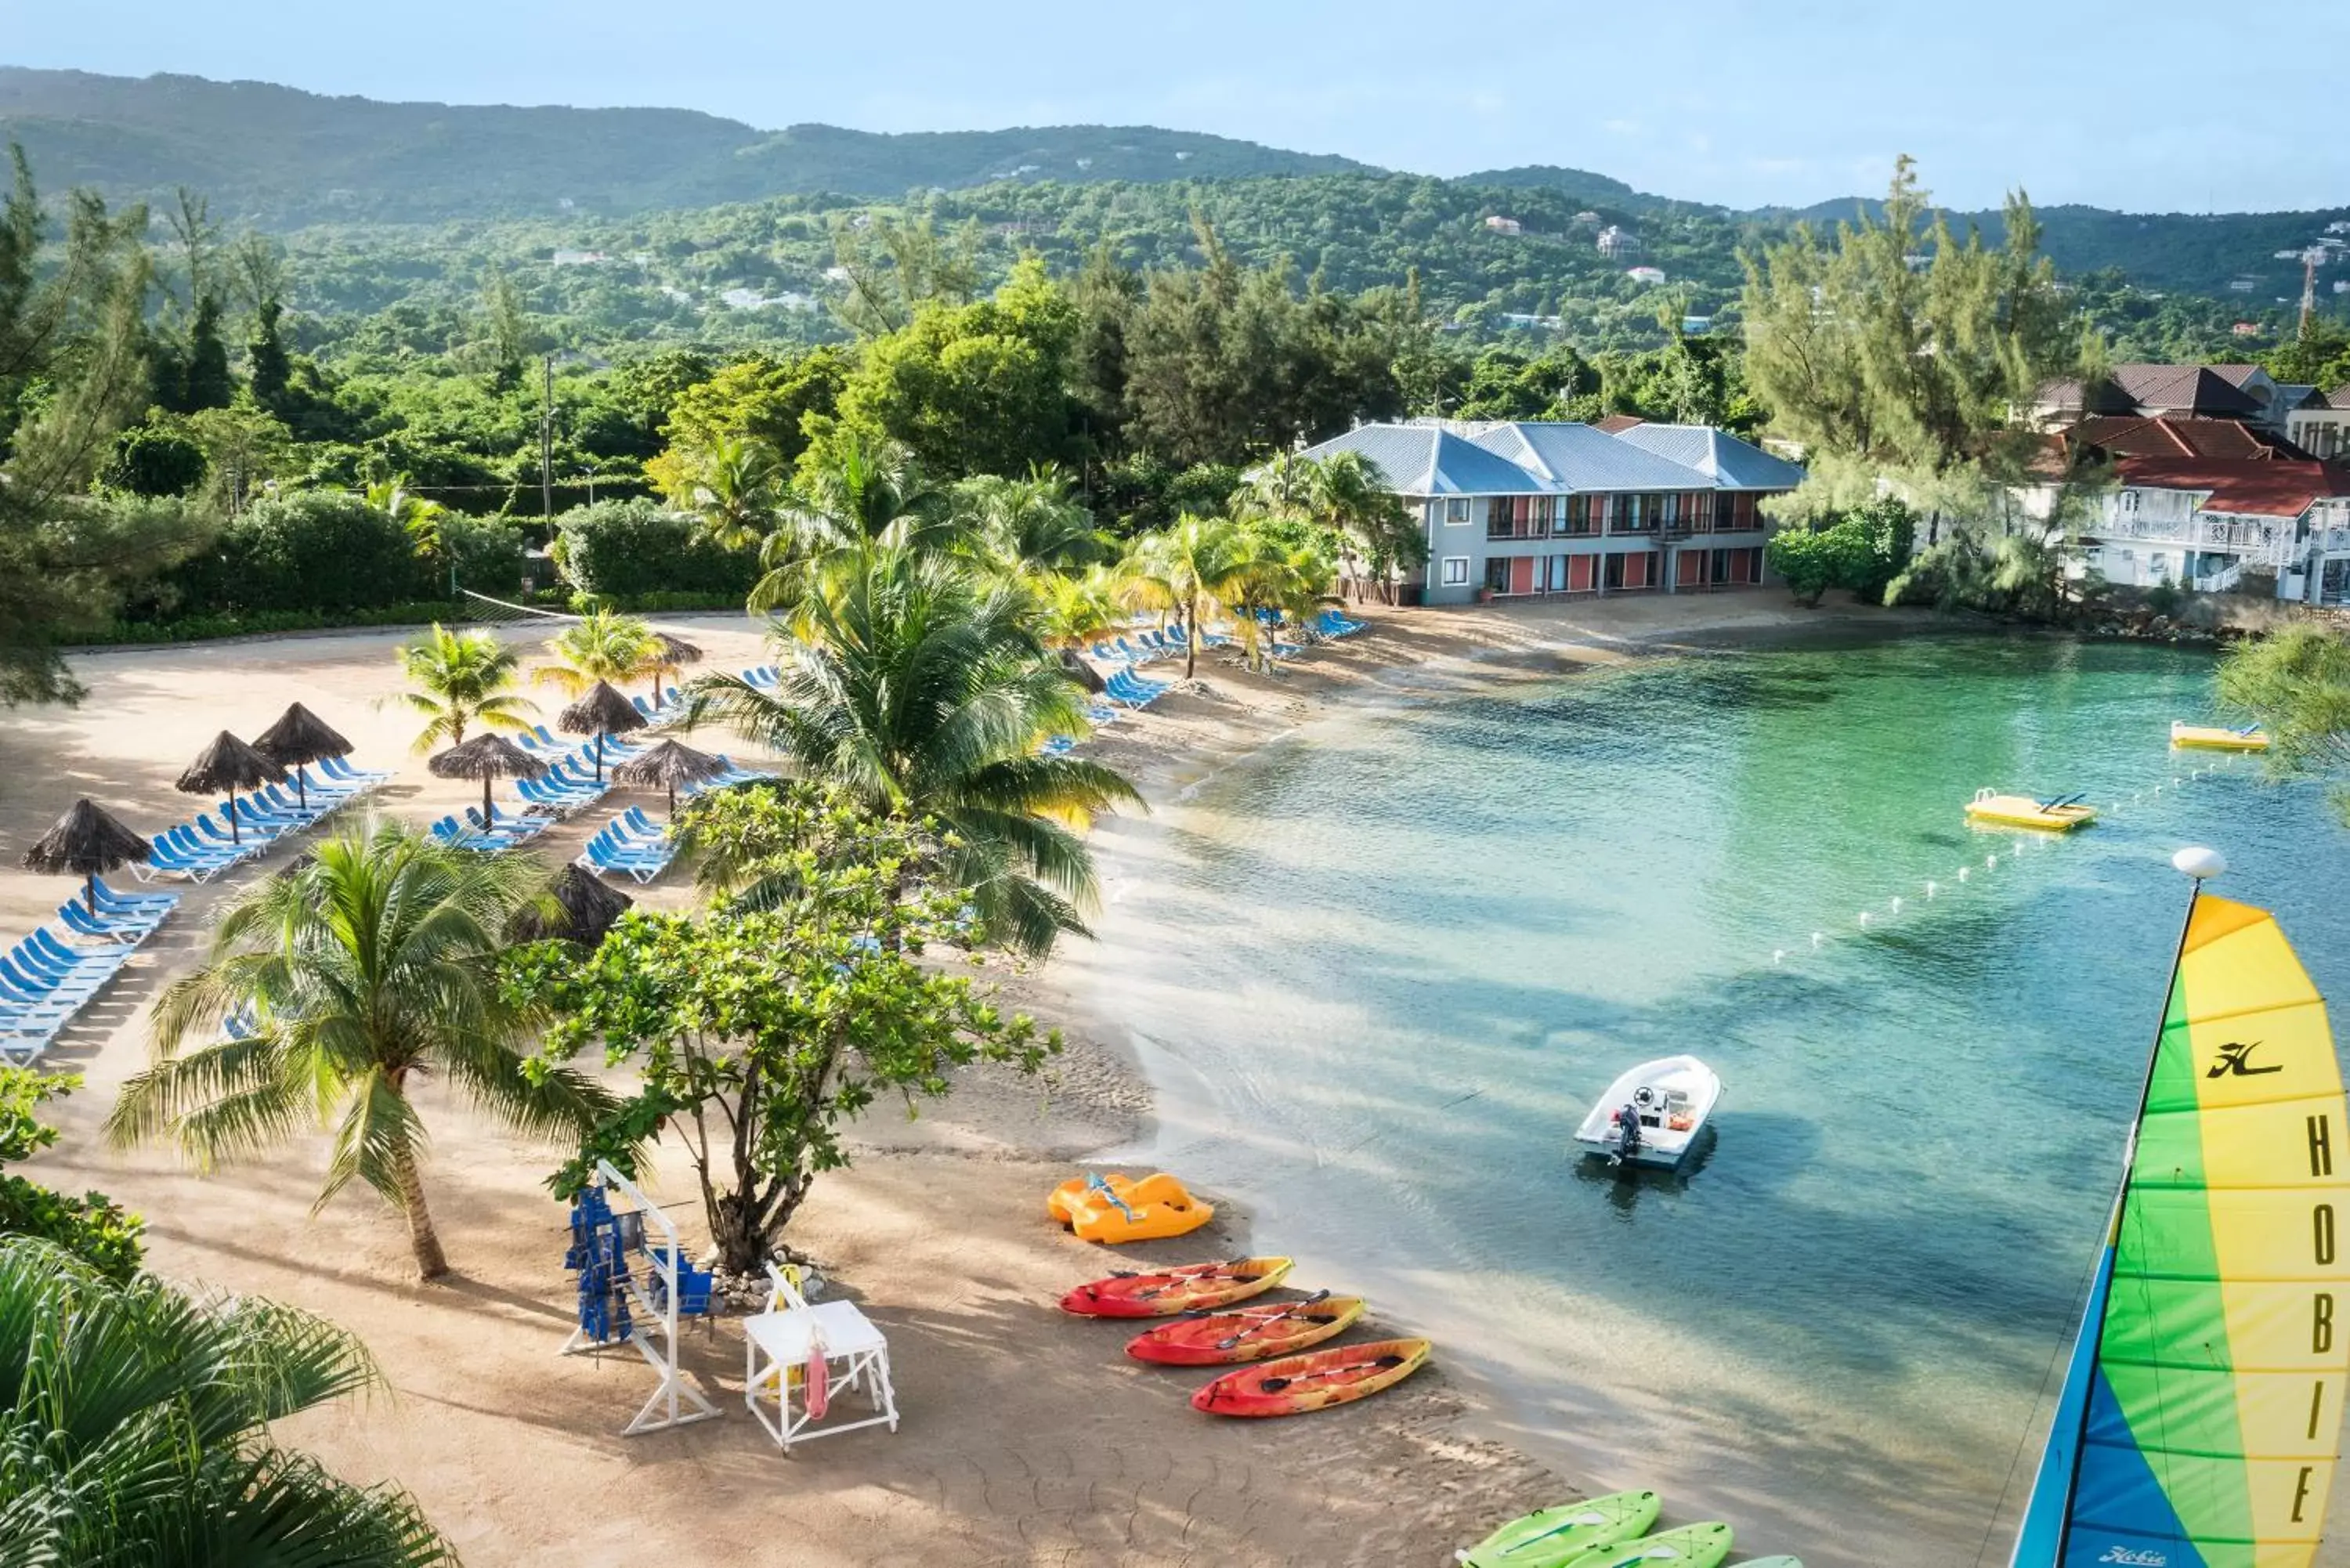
<point x="871" y="492"/>
<point x="922" y="688"/>
<point x="735" y="490"/>
<point x="352" y="978"/>
<point x="603" y="645"/>
<point x="1031" y="527"/>
<point x="137" y="1428"/>
<point x="1286" y="579"/>
<point x="1193" y="566"/>
<point x="461" y="679"/>
<point x="419" y="518"/>
<point x="1073" y="610"/>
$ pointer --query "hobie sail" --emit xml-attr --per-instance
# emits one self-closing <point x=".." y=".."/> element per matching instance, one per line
<point x="2199" y="1423"/>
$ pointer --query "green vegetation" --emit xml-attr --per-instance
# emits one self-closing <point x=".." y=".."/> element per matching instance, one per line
<point x="460" y="679"/>
<point x="358" y="973"/>
<point x="2296" y="684"/>
<point x="93" y="1228"/>
<point x="757" y="1032"/>
<point x="137" y="1428"/>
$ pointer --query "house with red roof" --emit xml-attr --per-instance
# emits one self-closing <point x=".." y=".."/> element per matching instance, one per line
<point x="2221" y="524"/>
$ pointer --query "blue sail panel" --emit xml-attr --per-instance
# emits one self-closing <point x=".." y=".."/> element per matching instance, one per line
<point x="2052" y="1488"/>
<point x="2122" y="1512"/>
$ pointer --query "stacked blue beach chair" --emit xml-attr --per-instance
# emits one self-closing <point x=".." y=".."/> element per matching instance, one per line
<point x="1132" y="691"/>
<point x="206" y="845"/>
<point x="1335" y="623"/>
<point x="49" y="977"/>
<point x="631" y="843"/>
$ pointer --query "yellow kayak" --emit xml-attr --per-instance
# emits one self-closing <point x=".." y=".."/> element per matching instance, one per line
<point x="2058" y="815"/>
<point x="2212" y="738"/>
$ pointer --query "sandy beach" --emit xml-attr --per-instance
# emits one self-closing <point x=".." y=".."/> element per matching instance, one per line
<point x="1027" y="1437"/>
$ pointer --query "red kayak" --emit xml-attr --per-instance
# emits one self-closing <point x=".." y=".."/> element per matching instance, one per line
<point x="1249" y="1334"/>
<point x="1315" y="1380"/>
<point x="1176" y="1291"/>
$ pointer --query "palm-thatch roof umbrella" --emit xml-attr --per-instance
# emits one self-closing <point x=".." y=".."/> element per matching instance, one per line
<point x="228" y="763"/>
<point x="299" y="738"/>
<point x="670" y="653"/>
<point x="602" y="712"/>
<point x="487" y="756"/>
<point x="585" y="909"/>
<point x="88" y="842"/>
<point x="671" y="763"/>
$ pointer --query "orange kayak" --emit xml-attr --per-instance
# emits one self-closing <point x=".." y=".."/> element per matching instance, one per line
<point x="1191" y="1289"/>
<point x="1250" y="1333"/>
<point x="1316" y="1379"/>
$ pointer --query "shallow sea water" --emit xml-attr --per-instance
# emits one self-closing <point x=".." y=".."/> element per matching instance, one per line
<point x="1381" y="967"/>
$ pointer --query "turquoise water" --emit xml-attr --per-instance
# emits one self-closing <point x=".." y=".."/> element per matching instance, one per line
<point x="1384" y="965"/>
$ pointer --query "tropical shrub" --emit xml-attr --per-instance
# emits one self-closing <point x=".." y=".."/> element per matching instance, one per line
<point x="135" y="1427"/>
<point x="483" y="554"/>
<point x="93" y="1226"/>
<point x="623" y="549"/>
<point x="308" y="550"/>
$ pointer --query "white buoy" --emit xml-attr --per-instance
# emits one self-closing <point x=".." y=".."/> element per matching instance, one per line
<point x="1991" y="862"/>
<point x="1817" y="939"/>
<point x="1896" y="906"/>
<point x="2199" y="863"/>
<point x="1930" y="889"/>
<point x="1964" y="872"/>
<point x="1779" y="955"/>
<point x="1864" y="917"/>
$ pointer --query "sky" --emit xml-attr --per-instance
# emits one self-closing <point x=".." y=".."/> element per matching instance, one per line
<point x="2158" y="105"/>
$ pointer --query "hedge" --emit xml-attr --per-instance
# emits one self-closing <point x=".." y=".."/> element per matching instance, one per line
<point x="309" y="551"/>
<point x="251" y="623"/>
<point x="627" y="550"/>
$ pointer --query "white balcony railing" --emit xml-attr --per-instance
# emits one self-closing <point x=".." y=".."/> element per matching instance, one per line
<point x="2263" y="544"/>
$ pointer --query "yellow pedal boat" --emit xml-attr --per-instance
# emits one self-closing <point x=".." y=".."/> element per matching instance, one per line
<point x="2061" y="814"/>
<point x="1115" y="1209"/>
<point x="2213" y="738"/>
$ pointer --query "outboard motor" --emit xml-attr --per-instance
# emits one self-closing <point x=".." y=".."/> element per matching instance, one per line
<point x="1628" y="1133"/>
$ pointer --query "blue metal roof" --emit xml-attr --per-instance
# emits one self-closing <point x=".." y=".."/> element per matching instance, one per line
<point x="1430" y="460"/>
<point x="1536" y="457"/>
<point x="1728" y="463"/>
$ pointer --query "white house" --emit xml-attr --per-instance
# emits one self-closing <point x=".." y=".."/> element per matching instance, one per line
<point x="2210" y="525"/>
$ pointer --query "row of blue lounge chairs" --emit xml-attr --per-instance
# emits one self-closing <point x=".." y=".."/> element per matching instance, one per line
<point x="631" y="843"/>
<point x="49" y="977"/>
<point x="206" y="845"/>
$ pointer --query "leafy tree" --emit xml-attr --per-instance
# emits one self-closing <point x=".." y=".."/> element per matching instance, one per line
<point x="505" y="338"/>
<point x="413" y="514"/>
<point x="2318" y="358"/>
<point x="93" y="1226"/>
<point x="757" y="1034"/>
<point x="1345" y="496"/>
<point x="209" y="384"/>
<point x="922" y="690"/>
<point x="1812" y="560"/>
<point x="154" y="460"/>
<point x="370" y="968"/>
<point x="761" y="397"/>
<point x="462" y="680"/>
<point x="603" y="645"/>
<point x="1030" y="528"/>
<point x="244" y="446"/>
<point x="137" y="1427"/>
<point x="2295" y="682"/>
<point x="733" y="488"/>
<point x="1196" y="567"/>
<point x="894" y="268"/>
<point x="1505" y="385"/>
<point x="73" y="340"/>
<point x="1901" y="352"/>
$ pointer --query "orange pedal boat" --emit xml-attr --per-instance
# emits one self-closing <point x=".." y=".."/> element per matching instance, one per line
<point x="1249" y="1334"/>
<point x="1314" y="1381"/>
<point x="1115" y="1207"/>
<point x="1173" y="1291"/>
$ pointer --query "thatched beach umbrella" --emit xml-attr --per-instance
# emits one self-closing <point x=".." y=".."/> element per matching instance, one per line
<point x="670" y="653"/>
<point x="585" y="909"/>
<point x="670" y="763"/>
<point x="86" y="842"/>
<point x="228" y="763"/>
<point x="299" y="738"/>
<point x="602" y="712"/>
<point x="487" y="756"/>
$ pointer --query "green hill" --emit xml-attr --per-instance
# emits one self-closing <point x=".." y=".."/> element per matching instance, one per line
<point x="277" y="158"/>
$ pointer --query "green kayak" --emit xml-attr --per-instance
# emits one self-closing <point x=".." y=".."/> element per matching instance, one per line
<point x="1551" y="1537"/>
<point x="1690" y="1546"/>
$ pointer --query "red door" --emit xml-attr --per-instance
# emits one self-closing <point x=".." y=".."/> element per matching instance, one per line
<point x="1578" y="573"/>
<point x="1521" y="574"/>
<point x="1690" y="573"/>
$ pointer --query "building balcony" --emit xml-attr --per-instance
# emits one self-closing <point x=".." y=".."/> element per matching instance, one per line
<point x="2269" y="544"/>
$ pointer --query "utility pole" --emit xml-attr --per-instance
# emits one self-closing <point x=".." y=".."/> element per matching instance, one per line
<point x="546" y="444"/>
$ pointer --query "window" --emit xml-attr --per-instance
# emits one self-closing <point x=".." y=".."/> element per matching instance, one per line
<point x="1497" y="573"/>
<point x="1456" y="511"/>
<point x="2129" y="500"/>
<point x="1456" y="571"/>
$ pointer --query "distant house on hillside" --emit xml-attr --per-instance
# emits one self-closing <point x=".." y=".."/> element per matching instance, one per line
<point x="1647" y="276"/>
<point x="1531" y="509"/>
<point x="1618" y="243"/>
<point x="580" y="258"/>
<point x="1501" y="225"/>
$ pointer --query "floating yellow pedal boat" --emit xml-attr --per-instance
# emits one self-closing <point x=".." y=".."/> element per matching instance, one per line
<point x="2212" y="738"/>
<point x="2061" y="814"/>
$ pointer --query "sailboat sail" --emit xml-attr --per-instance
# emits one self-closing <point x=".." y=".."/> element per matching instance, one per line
<point x="2200" y="1416"/>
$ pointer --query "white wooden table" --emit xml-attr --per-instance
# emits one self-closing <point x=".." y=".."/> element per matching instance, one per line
<point x="778" y="1345"/>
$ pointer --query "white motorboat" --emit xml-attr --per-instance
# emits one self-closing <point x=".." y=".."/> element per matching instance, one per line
<point x="1653" y="1114"/>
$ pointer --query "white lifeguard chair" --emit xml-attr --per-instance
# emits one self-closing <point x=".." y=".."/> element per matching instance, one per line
<point x="614" y="1306"/>
<point x="779" y="1343"/>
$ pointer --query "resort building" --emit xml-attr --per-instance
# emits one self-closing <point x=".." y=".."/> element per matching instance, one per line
<point x="2269" y="525"/>
<point x="1526" y="509"/>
